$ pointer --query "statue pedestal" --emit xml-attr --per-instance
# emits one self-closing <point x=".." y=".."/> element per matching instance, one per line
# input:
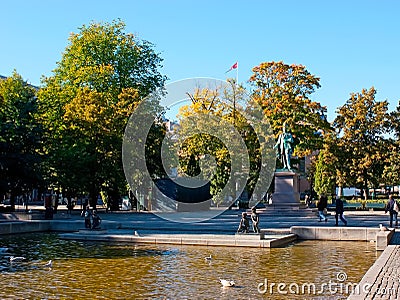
<point x="286" y="195"/>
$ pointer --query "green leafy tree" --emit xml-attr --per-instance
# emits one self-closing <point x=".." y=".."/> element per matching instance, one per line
<point x="361" y="125"/>
<point x="227" y="104"/>
<point x="20" y="136"/>
<point x="195" y="148"/>
<point x="324" y="177"/>
<point x="86" y="103"/>
<point x="391" y="174"/>
<point x="284" y="91"/>
<point x="391" y="169"/>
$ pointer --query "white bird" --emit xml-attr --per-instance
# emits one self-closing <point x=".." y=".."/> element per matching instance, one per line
<point x="136" y="233"/>
<point x="16" y="258"/>
<point x="49" y="264"/>
<point x="227" y="283"/>
<point x="208" y="258"/>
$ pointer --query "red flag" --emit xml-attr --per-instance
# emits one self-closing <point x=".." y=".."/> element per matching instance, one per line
<point x="235" y="65"/>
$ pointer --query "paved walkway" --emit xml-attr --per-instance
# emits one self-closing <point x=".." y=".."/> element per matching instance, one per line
<point x="382" y="280"/>
<point x="227" y="221"/>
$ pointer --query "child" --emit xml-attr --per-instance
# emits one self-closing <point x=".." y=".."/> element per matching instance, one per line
<point x="96" y="220"/>
<point x="87" y="214"/>
<point x="256" y="219"/>
<point x="244" y="224"/>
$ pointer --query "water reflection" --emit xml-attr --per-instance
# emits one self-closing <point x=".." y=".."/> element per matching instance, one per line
<point x="126" y="271"/>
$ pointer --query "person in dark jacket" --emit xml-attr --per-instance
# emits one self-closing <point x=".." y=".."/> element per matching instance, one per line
<point x="339" y="210"/>
<point x="96" y="220"/>
<point x="322" y="205"/>
<point x="393" y="208"/>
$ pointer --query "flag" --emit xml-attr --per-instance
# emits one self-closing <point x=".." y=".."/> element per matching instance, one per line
<point x="235" y="65"/>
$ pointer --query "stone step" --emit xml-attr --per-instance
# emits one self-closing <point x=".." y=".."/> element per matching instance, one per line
<point x="250" y="236"/>
<point x="92" y="231"/>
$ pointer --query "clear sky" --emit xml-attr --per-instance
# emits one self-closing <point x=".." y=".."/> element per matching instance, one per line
<point x="350" y="45"/>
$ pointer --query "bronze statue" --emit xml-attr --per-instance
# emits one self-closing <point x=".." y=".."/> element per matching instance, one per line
<point x="284" y="148"/>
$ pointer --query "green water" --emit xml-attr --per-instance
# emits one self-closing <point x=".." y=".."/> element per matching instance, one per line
<point x="93" y="270"/>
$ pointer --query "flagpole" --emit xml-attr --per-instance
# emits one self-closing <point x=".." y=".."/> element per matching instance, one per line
<point x="237" y="73"/>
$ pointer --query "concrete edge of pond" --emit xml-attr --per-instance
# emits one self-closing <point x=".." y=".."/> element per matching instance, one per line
<point x="271" y="241"/>
<point x="267" y="238"/>
<point x="382" y="238"/>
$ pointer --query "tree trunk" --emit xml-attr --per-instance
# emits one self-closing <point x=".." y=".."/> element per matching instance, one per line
<point x="12" y="201"/>
<point x="56" y="203"/>
<point x="366" y="190"/>
<point x="93" y="194"/>
<point x="114" y="199"/>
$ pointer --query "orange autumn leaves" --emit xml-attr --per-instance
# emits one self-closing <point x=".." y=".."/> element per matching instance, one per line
<point x="284" y="93"/>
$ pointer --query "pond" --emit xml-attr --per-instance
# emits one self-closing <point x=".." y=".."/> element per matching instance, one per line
<point x="127" y="271"/>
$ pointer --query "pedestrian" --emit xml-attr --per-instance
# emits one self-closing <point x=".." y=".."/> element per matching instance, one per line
<point x="255" y="218"/>
<point x="322" y="205"/>
<point x="393" y="208"/>
<point x="48" y="214"/>
<point x="307" y="200"/>
<point x="244" y="223"/>
<point x="96" y="220"/>
<point x="87" y="215"/>
<point x="339" y="210"/>
<point x="70" y="206"/>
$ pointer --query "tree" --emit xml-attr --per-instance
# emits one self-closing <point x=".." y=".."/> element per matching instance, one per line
<point x="391" y="169"/>
<point x="86" y="103"/>
<point x="208" y="103"/>
<point x="391" y="173"/>
<point x="20" y="136"/>
<point x="324" y="177"/>
<point x="283" y="91"/>
<point x="361" y="125"/>
<point x="234" y="133"/>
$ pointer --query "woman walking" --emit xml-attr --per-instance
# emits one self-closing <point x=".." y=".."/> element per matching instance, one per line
<point x="322" y="205"/>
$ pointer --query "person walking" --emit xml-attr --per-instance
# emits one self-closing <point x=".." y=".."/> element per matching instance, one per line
<point x="339" y="210"/>
<point x="255" y="218"/>
<point x="322" y="205"/>
<point x="393" y="208"/>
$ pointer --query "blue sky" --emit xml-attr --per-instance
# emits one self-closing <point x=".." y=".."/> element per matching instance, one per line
<point x="350" y="45"/>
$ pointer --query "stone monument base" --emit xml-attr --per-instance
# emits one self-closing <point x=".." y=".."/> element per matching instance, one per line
<point x="286" y="195"/>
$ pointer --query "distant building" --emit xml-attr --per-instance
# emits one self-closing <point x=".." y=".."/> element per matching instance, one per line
<point x="171" y="126"/>
<point x="34" y="86"/>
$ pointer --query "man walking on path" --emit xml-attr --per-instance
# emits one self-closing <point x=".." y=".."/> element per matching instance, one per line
<point x="339" y="212"/>
<point x="393" y="208"/>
